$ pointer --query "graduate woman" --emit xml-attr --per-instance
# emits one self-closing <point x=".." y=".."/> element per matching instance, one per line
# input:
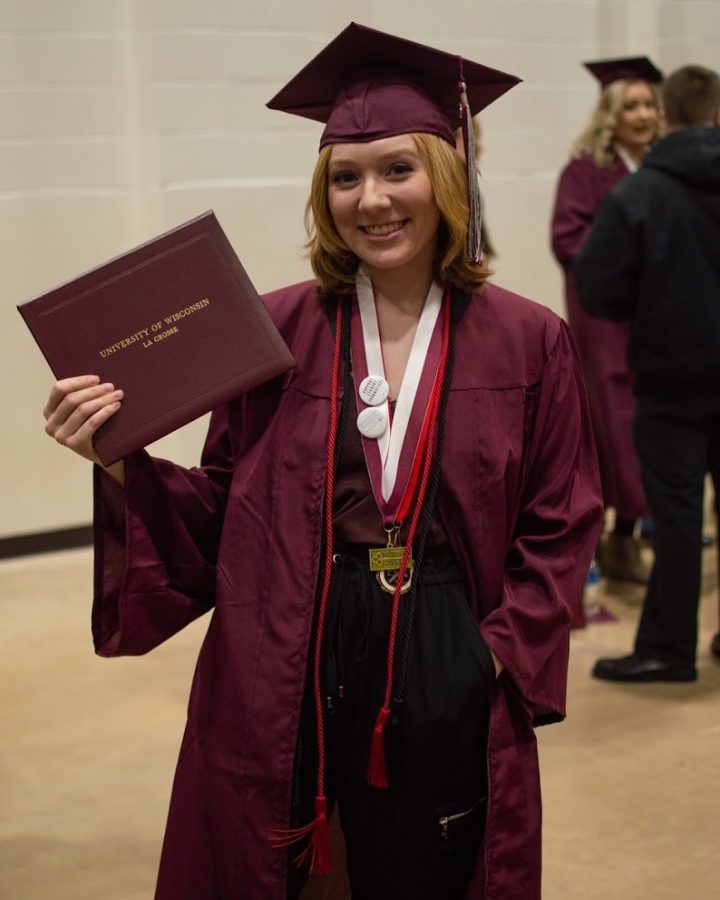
<point x="624" y="124"/>
<point x="390" y="536"/>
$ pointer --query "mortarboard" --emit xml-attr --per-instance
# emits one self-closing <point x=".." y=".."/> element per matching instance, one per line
<point x="367" y="85"/>
<point x="632" y="68"/>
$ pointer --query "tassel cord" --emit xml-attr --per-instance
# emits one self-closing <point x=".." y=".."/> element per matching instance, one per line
<point x="317" y="852"/>
<point x="416" y="514"/>
<point x="428" y="510"/>
<point x="342" y="340"/>
<point x="377" y="768"/>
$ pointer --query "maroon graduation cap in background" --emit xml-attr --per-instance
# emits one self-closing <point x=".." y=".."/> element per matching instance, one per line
<point x="366" y="85"/>
<point x="630" y="68"/>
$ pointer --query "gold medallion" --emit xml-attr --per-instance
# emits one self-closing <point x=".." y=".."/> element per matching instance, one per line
<point x="386" y="562"/>
<point x="388" y="581"/>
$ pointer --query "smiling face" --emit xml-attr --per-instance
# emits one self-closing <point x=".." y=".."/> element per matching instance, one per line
<point x="637" y="121"/>
<point x="382" y="203"/>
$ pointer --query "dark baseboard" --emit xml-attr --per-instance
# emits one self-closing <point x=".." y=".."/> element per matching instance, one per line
<point x="45" y="542"/>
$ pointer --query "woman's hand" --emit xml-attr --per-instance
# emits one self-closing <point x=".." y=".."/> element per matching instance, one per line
<point x="75" y="409"/>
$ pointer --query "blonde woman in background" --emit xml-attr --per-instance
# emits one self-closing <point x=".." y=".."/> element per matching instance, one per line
<point x="624" y="124"/>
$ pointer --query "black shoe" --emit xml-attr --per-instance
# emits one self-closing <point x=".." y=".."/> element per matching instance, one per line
<point x="715" y="646"/>
<point x="642" y="669"/>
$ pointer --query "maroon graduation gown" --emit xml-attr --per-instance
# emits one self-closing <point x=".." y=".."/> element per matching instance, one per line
<point x="602" y="344"/>
<point x="520" y="502"/>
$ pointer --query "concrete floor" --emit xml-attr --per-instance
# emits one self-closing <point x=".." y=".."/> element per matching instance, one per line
<point x="631" y="780"/>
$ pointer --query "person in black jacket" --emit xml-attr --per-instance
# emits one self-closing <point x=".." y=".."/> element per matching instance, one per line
<point x="653" y="258"/>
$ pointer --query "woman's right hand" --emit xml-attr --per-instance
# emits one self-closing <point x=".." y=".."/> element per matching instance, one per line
<point x="76" y="408"/>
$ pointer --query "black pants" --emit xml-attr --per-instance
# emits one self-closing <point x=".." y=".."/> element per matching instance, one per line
<point x="419" y="838"/>
<point x="678" y="443"/>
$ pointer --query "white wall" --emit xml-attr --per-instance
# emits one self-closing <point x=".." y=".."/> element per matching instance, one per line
<point x="121" y="118"/>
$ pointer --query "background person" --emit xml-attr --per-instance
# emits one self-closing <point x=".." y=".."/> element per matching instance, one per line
<point x="623" y="125"/>
<point x="317" y="682"/>
<point x="652" y="259"/>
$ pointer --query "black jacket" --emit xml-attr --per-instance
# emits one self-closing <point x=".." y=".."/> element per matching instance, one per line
<point x="653" y="257"/>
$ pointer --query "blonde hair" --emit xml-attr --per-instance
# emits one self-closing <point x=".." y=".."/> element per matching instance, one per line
<point x="335" y="265"/>
<point x="598" y="138"/>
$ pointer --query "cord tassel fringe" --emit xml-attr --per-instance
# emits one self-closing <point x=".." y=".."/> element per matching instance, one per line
<point x="377" y="766"/>
<point x="316" y="854"/>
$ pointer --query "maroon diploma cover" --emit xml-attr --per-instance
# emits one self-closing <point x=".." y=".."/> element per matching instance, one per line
<point x="175" y="323"/>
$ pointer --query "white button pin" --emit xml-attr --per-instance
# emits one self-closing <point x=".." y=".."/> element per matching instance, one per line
<point x="374" y="390"/>
<point x="372" y="422"/>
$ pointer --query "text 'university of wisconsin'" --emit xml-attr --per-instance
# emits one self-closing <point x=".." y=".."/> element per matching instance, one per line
<point x="156" y="332"/>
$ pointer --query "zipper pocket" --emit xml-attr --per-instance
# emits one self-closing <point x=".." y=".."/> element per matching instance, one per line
<point x="446" y="821"/>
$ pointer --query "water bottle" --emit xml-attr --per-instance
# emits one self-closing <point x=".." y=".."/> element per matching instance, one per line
<point x="591" y="591"/>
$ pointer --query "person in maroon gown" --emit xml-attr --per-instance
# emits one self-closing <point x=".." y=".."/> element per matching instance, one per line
<point x="624" y="124"/>
<point x="434" y="430"/>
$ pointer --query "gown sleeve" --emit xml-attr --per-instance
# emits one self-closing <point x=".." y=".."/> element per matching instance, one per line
<point x="156" y="544"/>
<point x="574" y="211"/>
<point x="557" y="526"/>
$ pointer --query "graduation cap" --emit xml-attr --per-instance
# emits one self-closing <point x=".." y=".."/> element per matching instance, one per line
<point x="631" y="68"/>
<point x="366" y="85"/>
